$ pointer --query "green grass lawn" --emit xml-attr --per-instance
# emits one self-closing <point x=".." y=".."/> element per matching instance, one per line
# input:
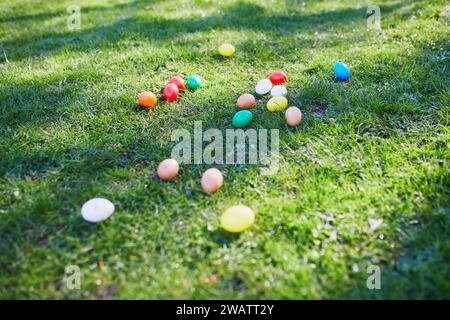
<point x="375" y="147"/>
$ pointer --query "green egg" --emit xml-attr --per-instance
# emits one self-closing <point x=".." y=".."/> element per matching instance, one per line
<point x="194" y="82"/>
<point x="242" y="118"/>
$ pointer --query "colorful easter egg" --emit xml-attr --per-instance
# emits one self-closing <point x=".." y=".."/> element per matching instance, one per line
<point x="263" y="87"/>
<point x="178" y="81"/>
<point x="246" y="101"/>
<point x="278" y="90"/>
<point x="226" y="50"/>
<point x="293" y="116"/>
<point x="237" y="219"/>
<point x="277" y="104"/>
<point x="168" y="169"/>
<point x="341" y="71"/>
<point x="97" y="209"/>
<point x="278" y="77"/>
<point x="147" y="99"/>
<point x="242" y="118"/>
<point x="212" y="180"/>
<point x="194" y="82"/>
<point x="171" y="92"/>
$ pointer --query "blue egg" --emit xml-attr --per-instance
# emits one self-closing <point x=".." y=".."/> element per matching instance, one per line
<point x="341" y="71"/>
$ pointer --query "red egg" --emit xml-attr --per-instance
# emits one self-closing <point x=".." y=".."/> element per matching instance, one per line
<point x="278" y="77"/>
<point x="178" y="81"/>
<point x="171" y="92"/>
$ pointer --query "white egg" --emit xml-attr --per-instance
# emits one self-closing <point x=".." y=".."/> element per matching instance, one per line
<point x="278" y="90"/>
<point x="263" y="87"/>
<point x="97" y="209"/>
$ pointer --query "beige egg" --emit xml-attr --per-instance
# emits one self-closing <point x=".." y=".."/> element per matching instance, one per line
<point x="212" y="180"/>
<point x="246" y="101"/>
<point x="168" y="169"/>
<point x="293" y="116"/>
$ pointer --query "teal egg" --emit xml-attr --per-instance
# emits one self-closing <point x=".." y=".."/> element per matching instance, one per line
<point x="194" y="82"/>
<point x="242" y="118"/>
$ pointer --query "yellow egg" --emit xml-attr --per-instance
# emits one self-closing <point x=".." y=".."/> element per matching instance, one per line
<point x="237" y="218"/>
<point x="226" y="50"/>
<point x="277" y="104"/>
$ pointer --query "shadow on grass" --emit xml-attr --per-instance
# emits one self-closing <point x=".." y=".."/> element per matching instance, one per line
<point x="420" y="269"/>
<point x="139" y="4"/>
<point x="240" y="16"/>
<point x="91" y="164"/>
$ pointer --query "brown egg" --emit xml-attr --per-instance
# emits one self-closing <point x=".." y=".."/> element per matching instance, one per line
<point x="212" y="180"/>
<point x="246" y="101"/>
<point x="293" y="116"/>
<point x="168" y="169"/>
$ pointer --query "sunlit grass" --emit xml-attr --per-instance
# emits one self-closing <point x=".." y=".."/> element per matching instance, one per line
<point x="375" y="147"/>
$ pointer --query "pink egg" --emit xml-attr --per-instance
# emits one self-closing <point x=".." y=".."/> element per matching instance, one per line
<point x="212" y="180"/>
<point x="168" y="169"/>
<point x="246" y="101"/>
<point x="293" y="116"/>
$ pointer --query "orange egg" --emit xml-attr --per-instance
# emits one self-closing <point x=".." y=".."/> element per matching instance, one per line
<point x="212" y="180"/>
<point x="168" y="169"/>
<point x="147" y="99"/>
<point x="246" y="101"/>
<point x="293" y="116"/>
